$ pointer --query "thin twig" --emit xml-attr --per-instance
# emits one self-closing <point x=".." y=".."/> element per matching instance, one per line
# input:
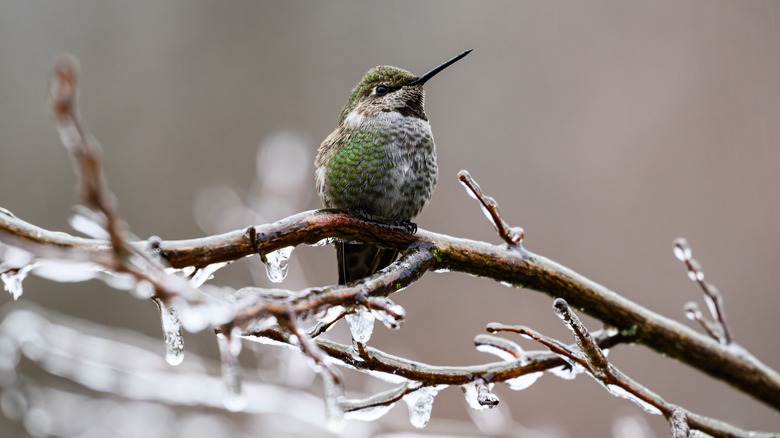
<point x="592" y="358"/>
<point x="85" y="150"/>
<point x="718" y="328"/>
<point x="512" y="236"/>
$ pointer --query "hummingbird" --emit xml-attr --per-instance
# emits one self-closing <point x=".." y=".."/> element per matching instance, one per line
<point x="380" y="162"/>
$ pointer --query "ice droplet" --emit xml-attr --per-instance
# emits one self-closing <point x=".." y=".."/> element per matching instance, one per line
<point x="361" y="324"/>
<point x="477" y="397"/>
<point x="420" y="404"/>
<point x="229" y="348"/>
<point x="13" y="277"/>
<point x="692" y="311"/>
<point x="694" y="270"/>
<point x="696" y="275"/>
<point x="620" y="392"/>
<point x="276" y="263"/>
<point x="682" y="250"/>
<point x="172" y="333"/>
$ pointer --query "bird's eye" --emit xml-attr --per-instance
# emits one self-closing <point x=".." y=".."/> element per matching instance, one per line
<point x="382" y="89"/>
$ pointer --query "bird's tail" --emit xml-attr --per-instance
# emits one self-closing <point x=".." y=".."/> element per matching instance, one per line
<point x="358" y="260"/>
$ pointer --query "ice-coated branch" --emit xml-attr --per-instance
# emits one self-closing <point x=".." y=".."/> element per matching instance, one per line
<point x="309" y="301"/>
<point x="377" y="361"/>
<point x="513" y="236"/>
<point x="679" y="424"/>
<point x="526" y="269"/>
<point x="717" y="328"/>
<point x="590" y="356"/>
<point x="85" y="151"/>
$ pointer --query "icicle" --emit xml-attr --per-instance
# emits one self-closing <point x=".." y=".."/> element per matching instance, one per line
<point x="229" y="348"/>
<point x="276" y="263"/>
<point x="478" y="395"/>
<point x="172" y="333"/>
<point x="361" y="324"/>
<point x="420" y="404"/>
<point x="13" y="278"/>
<point x="334" y="393"/>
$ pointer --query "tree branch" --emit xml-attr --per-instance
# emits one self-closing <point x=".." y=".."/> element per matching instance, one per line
<point x="526" y="269"/>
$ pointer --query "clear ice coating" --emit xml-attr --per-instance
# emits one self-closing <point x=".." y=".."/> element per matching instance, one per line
<point x="503" y="348"/>
<point x="420" y="404"/>
<point x="475" y="393"/>
<point x="361" y="324"/>
<point x="13" y="278"/>
<point x="229" y="348"/>
<point x="334" y="393"/>
<point x="205" y="274"/>
<point x="276" y="263"/>
<point x="88" y="222"/>
<point x="375" y="406"/>
<point x="393" y="317"/>
<point x="524" y="381"/>
<point x="172" y="332"/>
<point x="324" y="242"/>
<point x="692" y="311"/>
<point x="509" y="351"/>
<point x="682" y="250"/>
<point x="568" y="371"/>
<point x="620" y="392"/>
<point x="694" y="270"/>
<point x="370" y="413"/>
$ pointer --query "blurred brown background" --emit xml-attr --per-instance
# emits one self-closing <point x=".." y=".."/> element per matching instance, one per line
<point x="604" y="128"/>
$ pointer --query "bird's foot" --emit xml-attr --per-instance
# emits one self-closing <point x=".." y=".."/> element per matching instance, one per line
<point x="408" y="226"/>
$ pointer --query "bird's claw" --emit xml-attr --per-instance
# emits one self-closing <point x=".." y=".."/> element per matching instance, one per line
<point x="408" y="226"/>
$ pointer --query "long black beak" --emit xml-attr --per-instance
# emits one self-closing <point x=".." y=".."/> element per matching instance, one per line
<point x="424" y="78"/>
